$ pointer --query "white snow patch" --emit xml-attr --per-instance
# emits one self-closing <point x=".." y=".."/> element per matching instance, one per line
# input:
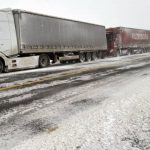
<point x="133" y="66"/>
<point x="20" y="98"/>
<point x="7" y="115"/>
<point x="21" y="91"/>
<point x="28" y="89"/>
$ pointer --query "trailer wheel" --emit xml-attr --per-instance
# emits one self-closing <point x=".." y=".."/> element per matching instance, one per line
<point x="88" y="56"/>
<point x="99" y="54"/>
<point x="129" y="52"/>
<point x="118" y="53"/>
<point x="44" y="60"/>
<point x="1" y="66"/>
<point x="82" y="57"/>
<point x="103" y="55"/>
<point x="94" y="56"/>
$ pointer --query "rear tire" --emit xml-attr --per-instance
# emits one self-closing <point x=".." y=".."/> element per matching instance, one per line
<point x="88" y="56"/>
<point x="44" y="61"/>
<point x="82" y="57"/>
<point x="129" y="52"/>
<point x="118" y="53"/>
<point x="1" y="67"/>
<point x="94" y="56"/>
<point x="99" y="54"/>
<point x="103" y="55"/>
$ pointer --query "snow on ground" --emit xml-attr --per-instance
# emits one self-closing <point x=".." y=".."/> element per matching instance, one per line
<point x="134" y="65"/>
<point x="112" y="114"/>
<point x="98" y="115"/>
<point x="28" y="89"/>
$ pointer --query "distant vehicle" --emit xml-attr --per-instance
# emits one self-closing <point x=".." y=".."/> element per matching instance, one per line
<point x="30" y="40"/>
<point x="123" y="41"/>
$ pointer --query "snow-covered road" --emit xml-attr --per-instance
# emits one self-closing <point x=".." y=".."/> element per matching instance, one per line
<point x="107" y="109"/>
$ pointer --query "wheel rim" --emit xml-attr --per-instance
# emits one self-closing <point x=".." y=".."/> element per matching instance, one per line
<point x="44" y="60"/>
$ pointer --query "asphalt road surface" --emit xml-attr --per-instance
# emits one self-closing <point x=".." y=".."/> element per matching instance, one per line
<point x="90" y="106"/>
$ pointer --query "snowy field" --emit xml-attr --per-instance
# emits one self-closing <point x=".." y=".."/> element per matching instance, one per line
<point x="106" y="110"/>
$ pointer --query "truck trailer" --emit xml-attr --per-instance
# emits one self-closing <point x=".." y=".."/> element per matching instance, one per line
<point x="122" y="40"/>
<point x="30" y="40"/>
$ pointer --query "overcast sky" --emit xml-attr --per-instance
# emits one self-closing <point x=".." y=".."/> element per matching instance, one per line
<point x="128" y="13"/>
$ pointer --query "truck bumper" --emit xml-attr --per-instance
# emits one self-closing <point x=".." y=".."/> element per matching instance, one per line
<point x="23" y="63"/>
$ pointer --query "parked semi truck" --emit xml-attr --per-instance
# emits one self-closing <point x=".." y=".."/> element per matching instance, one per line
<point x="30" y="40"/>
<point x="122" y="40"/>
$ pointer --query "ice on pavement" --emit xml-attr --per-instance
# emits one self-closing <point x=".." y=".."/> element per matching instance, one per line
<point x="117" y="117"/>
<point x="134" y="66"/>
<point x="28" y="89"/>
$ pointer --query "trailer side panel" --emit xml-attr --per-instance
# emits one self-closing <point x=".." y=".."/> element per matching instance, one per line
<point x="39" y="33"/>
<point x="135" y="38"/>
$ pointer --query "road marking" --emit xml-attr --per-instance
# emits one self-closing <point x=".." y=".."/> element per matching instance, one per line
<point x="57" y="76"/>
<point x="70" y="73"/>
<point x="52" y="129"/>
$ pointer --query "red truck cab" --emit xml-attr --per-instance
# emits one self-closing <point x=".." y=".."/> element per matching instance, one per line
<point x="122" y="40"/>
<point x="111" y="34"/>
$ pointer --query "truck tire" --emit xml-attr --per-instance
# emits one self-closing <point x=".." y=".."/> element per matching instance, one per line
<point x="1" y="66"/>
<point x="118" y="54"/>
<point x="88" y="56"/>
<point x="129" y="52"/>
<point x="94" y="56"/>
<point x="99" y="54"/>
<point x="103" y="55"/>
<point x="82" y="57"/>
<point x="44" y="61"/>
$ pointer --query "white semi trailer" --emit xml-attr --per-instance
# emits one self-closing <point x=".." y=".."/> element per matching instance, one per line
<point x="29" y="40"/>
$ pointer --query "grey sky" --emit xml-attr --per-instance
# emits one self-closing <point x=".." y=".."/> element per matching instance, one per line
<point x="129" y="13"/>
